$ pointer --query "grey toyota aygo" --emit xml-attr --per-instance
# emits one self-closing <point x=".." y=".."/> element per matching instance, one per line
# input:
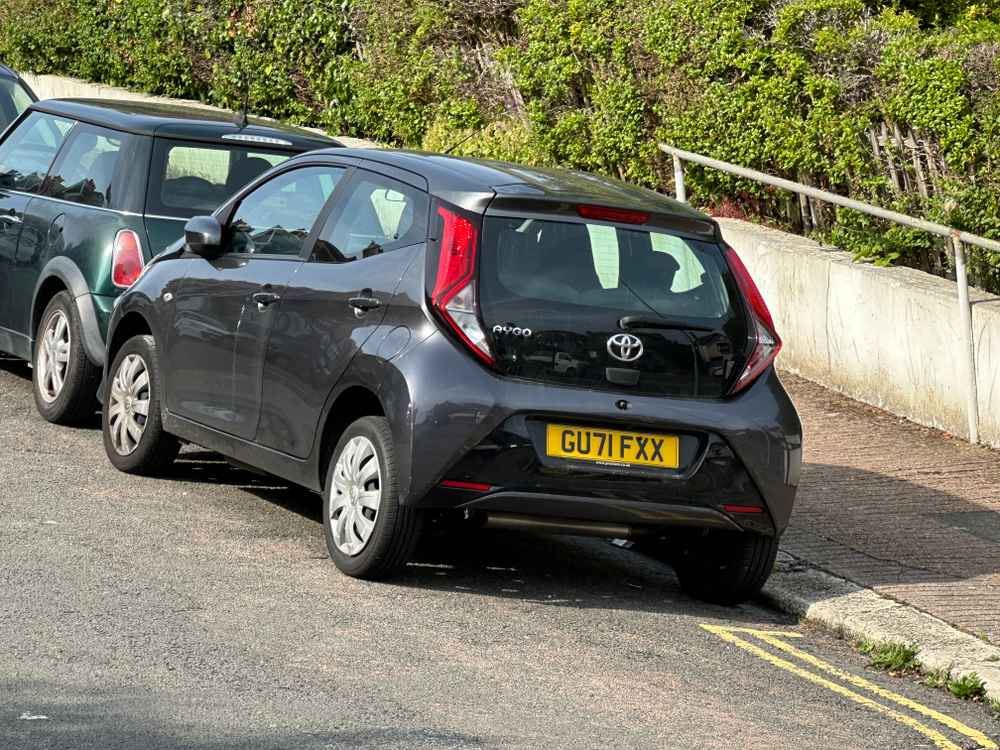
<point x="417" y="336"/>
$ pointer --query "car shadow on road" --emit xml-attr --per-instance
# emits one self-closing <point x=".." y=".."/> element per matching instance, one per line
<point x="207" y="467"/>
<point x="60" y="714"/>
<point x="17" y="367"/>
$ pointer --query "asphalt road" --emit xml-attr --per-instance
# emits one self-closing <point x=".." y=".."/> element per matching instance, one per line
<point x="201" y="611"/>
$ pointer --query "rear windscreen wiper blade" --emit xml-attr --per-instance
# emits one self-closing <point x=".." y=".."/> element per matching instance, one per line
<point x="638" y="321"/>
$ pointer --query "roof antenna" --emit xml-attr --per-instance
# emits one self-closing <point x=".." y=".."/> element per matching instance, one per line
<point x="467" y="138"/>
<point x="240" y="120"/>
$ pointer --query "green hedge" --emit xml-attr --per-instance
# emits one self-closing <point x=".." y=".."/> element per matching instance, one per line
<point x="892" y="102"/>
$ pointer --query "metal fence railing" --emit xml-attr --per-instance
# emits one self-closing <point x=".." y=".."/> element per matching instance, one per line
<point x="958" y="238"/>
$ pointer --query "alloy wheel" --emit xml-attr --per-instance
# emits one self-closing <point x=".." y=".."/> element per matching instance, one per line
<point x="355" y="495"/>
<point x="128" y="406"/>
<point x="52" y="359"/>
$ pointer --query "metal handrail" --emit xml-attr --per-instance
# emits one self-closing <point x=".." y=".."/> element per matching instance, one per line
<point x="958" y="239"/>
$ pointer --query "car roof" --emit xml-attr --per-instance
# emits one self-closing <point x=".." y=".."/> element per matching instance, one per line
<point x="182" y="121"/>
<point x="6" y="72"/>
<point x="445" y="174"/>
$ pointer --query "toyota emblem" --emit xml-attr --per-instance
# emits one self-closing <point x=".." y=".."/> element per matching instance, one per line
<point x="625" y="346"/>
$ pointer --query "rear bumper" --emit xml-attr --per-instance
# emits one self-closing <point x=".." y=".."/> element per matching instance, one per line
<point x="473" y="425"/>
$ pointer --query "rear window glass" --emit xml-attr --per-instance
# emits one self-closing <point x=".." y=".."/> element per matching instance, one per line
<point x="624" y="269"/>
<point x="191" y="179"/>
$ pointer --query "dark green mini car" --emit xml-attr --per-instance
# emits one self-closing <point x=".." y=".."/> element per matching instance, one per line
<point x="90" y="190"/>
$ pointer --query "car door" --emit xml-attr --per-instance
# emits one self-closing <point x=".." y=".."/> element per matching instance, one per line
<point x="26" y="154"/>
<point x="225" y="305"/>
<point x="371" y="232"/>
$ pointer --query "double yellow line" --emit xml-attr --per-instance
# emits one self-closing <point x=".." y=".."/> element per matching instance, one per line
<point x="777" y="639"/>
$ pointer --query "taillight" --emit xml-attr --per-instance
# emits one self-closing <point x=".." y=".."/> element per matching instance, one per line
<point x="126" y="263"/>
<point x="454" y="295"/>
<point x="763" y="338"/>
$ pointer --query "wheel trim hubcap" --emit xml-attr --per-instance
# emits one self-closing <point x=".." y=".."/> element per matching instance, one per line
<point x="52" y="360"/>
<point x="355" y="495"/>
<point x="128" y="406"/>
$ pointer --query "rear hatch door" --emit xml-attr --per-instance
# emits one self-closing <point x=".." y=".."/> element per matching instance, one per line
<point x="600" y="303"/>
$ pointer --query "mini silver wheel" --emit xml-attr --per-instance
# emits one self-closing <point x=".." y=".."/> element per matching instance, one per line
<point x="128" y="404"/>
<point x="52" y="356"/>
<point x="355" y="495"/>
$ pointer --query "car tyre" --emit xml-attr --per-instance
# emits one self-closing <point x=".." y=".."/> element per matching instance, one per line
<point x="63" y="379"/>
<point x="136" y="442"/>
<point x="726" y="567"/>
<point x="369" y="534"/>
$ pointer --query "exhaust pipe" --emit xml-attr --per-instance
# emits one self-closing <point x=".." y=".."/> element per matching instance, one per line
<point x="559" y="526"/>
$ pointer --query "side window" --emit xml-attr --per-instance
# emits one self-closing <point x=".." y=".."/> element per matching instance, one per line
<point x="86" y="168"/>
<point x="276" y="218"/>
<point x="379" y="214"/>
<point x="14" y="99"/>
<point x="29" y="149"/>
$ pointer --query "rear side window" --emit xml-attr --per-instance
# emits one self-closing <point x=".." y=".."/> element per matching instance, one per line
<point x="377" y="215"/>
<point x="87" y="167"/>
<point x="190" y="179"/>
<point x="630" y="271"/>
<point x="28" y="151"/>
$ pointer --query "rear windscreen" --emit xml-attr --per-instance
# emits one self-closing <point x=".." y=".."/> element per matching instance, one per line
<point x="192" y="179"/>
<point x="574" y="264"/>
<point x="605" y="306"/>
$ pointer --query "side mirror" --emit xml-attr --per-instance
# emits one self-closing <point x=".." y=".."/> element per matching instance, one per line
<point x="203" y="236"/>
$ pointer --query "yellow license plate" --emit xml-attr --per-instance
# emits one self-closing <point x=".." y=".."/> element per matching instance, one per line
<point x="612" y="446"/>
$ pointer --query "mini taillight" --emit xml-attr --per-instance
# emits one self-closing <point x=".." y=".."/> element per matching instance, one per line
<point x="764" y="340"/>
<point x="126" y="264"/>
<point x="606" y="213"/>
<point x="454" y="295"/>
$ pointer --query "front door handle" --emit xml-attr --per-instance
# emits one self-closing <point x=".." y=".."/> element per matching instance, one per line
<point x="264" y="300"/>
<point x="364" y="302"/>
<point x="11" y="218"/>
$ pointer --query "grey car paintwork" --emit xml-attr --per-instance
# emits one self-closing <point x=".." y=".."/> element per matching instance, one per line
<point x="439" y="400"/>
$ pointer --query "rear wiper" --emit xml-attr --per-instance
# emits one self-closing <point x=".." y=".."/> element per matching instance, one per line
<point x="638" y="321"/>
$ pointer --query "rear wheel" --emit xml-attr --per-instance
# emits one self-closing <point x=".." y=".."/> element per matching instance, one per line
<point x="134" y="438"/>
<point x="725" y="567"/>
<point x="369" y="534"/>
<point x="64" y="381"/>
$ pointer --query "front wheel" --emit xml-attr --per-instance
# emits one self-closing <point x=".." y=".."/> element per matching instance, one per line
<point x="725" y="567"/>
<point x="369" y="534"/>
<point x="134" y="438"/>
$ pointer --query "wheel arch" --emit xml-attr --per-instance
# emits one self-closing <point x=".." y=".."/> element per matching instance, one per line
<point x="350" y="403"/>
<point x="62" y="274"/>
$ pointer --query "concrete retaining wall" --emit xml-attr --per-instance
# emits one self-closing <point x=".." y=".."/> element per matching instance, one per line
<point x="890" y="337"/>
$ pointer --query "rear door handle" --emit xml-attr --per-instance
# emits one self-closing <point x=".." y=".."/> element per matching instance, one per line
<point x="264" y="299"/>
<point x="364" y="302"/>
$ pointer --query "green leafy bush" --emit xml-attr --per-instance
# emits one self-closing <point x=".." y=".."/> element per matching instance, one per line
<point x="893" y="102"/>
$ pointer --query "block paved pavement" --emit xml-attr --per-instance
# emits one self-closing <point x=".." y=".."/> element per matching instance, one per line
<point x="909" y="511"/>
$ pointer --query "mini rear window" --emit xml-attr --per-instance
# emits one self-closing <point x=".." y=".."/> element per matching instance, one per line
<point x="625" y="269"/>
<point x="192" y="179"/>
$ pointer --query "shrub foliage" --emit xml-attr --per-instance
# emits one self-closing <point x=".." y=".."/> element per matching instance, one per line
<point x="894" y="102"/>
